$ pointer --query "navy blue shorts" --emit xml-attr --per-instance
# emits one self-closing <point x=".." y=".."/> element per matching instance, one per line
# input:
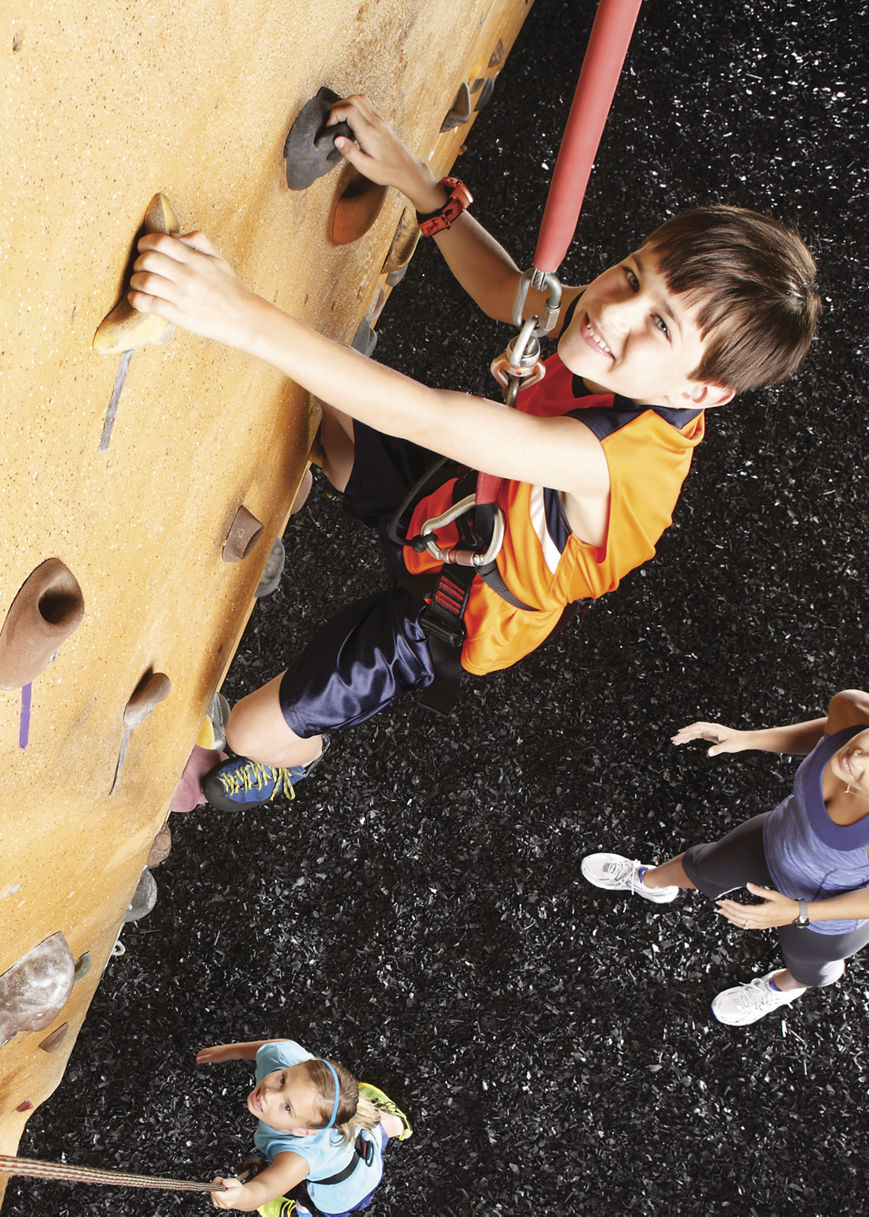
<point x="374" y="650"/>
<point x="384" y="470"/>
<point x="719" y="867"/>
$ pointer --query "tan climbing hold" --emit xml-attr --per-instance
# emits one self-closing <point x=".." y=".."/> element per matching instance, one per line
<point x="403" y="243"/>
<point x="48" y="608"/>
<point x="125" y="329"/>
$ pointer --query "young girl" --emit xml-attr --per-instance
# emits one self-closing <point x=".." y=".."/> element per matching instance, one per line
<point x="321" y="1133"/>
<point x="807" y="861"/>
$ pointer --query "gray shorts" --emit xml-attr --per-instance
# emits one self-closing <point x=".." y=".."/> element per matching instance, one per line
<point x="738" y="858"/>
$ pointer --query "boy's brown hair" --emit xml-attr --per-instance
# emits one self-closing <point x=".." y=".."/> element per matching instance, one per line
<point x="753" y="280"/>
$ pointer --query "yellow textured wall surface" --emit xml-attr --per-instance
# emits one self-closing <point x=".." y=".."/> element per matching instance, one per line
<point x="102" y="107"/>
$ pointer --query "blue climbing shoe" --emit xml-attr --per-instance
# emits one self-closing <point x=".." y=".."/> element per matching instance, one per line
<point x="384" y="1103"/>
<point x="238" y="783"/>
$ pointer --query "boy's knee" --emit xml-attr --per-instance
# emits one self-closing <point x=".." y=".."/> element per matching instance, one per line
<point x="252" y="726"/>
<point x="239" y="736"/>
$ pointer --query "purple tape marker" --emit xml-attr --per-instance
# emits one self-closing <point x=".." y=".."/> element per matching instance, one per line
<point x="24" y="725"/>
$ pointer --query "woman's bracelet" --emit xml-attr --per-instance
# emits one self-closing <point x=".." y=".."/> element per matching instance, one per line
<point x="459" y="201"/>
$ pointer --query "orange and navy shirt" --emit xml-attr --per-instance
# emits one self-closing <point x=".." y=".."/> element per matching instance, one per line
<point x="648" y="451"/>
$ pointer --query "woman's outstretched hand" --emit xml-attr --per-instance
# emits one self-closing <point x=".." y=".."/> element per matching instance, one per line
<point x="775" y="910"/>
<point x="723" y="739"/>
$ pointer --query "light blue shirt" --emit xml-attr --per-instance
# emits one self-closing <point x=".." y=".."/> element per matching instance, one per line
<point x="326" y="1153"/>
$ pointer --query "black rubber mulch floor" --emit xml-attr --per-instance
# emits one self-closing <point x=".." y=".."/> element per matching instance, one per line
<point x="417" y="912"/>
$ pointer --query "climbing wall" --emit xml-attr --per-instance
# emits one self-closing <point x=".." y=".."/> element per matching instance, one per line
<point x="127" y="573"/>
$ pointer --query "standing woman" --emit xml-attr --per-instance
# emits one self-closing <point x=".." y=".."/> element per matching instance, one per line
<point x="807" y="861"/>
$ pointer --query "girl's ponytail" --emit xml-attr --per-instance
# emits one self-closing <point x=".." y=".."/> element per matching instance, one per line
<point x="352" y="1112"/>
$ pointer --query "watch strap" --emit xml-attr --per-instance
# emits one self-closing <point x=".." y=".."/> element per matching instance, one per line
<point x="459" y="200"/>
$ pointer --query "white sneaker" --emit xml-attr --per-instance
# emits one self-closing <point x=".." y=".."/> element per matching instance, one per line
<point x="618" y="874"/>
<point x="746" y="1003"/>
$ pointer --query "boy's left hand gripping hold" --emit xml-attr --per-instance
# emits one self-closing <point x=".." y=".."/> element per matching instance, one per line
<point x="186" y="280"/>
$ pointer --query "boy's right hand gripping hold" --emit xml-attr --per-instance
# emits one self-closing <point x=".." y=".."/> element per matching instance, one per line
<point x="381" y="156"/>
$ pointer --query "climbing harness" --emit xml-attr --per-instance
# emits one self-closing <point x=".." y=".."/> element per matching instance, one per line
<point x="475" y="511"/>
<point x="36" y="1169"/>
<point x="363" y="1151"/>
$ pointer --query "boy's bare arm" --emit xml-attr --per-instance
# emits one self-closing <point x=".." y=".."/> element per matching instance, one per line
<point x="186" y="281"/>
<point x="482" y="266"/>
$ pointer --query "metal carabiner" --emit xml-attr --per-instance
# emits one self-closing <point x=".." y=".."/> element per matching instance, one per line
<point x="519" y="366"/>
<point x="454" y="555"/>
<point x="541" y="281"/>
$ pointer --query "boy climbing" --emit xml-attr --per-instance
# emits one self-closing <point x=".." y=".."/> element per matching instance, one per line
<point x="715" y="301"/>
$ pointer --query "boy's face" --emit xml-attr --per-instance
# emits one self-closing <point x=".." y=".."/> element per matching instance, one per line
<point x="287" y="1101"/>
<point x="631" y="335"/>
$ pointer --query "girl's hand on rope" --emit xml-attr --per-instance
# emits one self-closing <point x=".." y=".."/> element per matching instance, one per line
<point x="381" y="156"/>
<point x="723" y="739"/>
<point x="215" y="1054"/>
<point x="186" y="280"/>
<point x="229" y="1197"/>
<point x="775" y="910"/>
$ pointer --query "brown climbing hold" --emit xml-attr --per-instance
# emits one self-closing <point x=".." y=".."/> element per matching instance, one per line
<point x="242" y="537"/>
<point x="54" y="1039"/>
<point x="48" y="608"/>
<point x="125" y="329"/>
<point x="35" y="989"/>
<point x="27" y="1105"/>
<point x="497" y="56"/>
<point x="357" y="208"/>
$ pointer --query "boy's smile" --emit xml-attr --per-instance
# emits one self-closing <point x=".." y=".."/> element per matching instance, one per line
<point x="631" y="335"/>
<point x="287" y="1101"/>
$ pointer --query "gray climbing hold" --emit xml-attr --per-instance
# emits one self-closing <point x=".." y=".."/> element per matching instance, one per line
<point x="365" y="339"/>
<point x="144" y="898"/>
<point x="310" y="149"/>
<point x="35" y="989"/>
<point x="269" y="579"/>
<point x="460" y="111"/>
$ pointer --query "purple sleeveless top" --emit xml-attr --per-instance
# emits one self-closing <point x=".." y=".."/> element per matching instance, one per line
<point x="808" y="856"/>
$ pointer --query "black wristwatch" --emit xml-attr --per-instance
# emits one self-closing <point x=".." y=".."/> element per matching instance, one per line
<point x="802" y="920"/>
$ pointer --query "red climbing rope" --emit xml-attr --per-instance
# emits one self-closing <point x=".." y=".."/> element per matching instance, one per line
<point x="607" y="46"/>
<point x="10" y="1165"/>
